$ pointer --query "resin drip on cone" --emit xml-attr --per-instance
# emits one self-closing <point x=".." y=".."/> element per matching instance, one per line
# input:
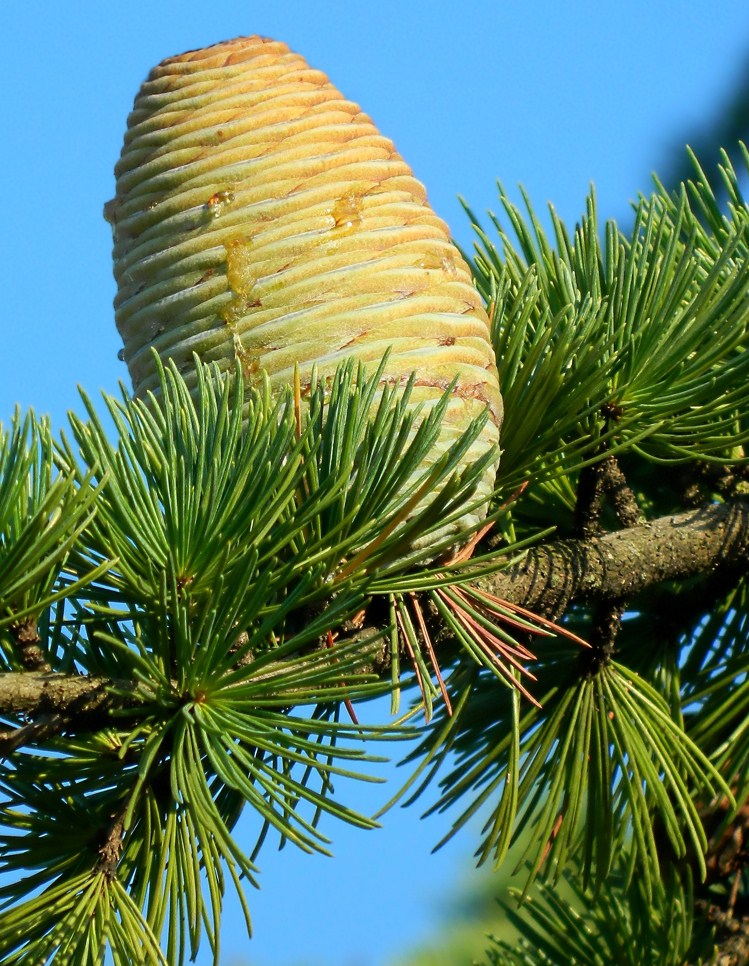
<point x="261" y="216"/>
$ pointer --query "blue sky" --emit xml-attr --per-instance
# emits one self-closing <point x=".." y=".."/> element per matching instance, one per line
<point x="551" y="95"/>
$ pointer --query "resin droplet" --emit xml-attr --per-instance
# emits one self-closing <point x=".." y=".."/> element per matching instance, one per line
<point x="219" y="201"/>
<point x="346" y="211"/>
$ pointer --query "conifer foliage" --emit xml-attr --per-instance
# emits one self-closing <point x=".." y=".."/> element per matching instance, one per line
<point x="196" y="606"/>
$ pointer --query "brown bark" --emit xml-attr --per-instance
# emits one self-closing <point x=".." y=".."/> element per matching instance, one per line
<point x="53" y="703"/>
<point x="26" y="692"/>
<point x="27" y="642"/>
<point x="619" y="565"/>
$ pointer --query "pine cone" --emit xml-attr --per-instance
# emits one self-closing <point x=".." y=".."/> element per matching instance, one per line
<point x="261" y="216"/>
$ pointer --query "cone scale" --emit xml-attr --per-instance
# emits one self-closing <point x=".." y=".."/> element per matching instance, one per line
<point x="261" y="216"/>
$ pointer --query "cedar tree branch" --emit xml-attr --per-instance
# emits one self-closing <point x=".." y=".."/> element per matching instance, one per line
<point x="553" y="575"/>
<point x="547" y="580"/>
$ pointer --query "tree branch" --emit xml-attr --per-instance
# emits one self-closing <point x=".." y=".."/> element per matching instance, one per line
<point x="27" y="641"/>
<point x="553" y="575"/>
<point x="547" y="580"/>
<point x="54" y="703"/>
